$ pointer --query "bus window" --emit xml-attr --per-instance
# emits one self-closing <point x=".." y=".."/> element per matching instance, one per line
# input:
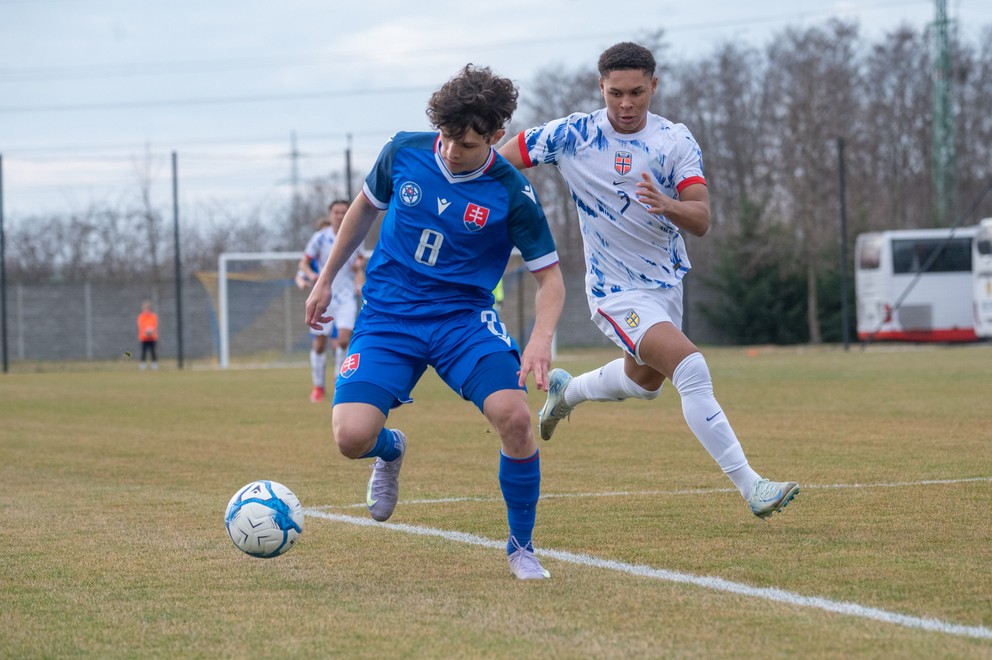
<point x="909" y="255"/>
<point x="984" y="246"/>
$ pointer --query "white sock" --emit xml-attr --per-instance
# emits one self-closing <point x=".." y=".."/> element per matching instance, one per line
<point x="709" y="423"/>
<point x="339" y="355"/>
<point x="744" y="478"/>
<point x="608" y="383"/>
<point x="317" y="365"/>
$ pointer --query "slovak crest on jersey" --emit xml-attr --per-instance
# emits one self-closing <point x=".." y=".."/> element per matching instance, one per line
<point x="475" y="217"/>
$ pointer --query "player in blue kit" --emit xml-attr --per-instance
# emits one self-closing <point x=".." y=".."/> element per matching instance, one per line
<point x="455" y="210"/>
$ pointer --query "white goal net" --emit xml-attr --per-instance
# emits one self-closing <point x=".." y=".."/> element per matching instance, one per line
<point x="260" y="310"/>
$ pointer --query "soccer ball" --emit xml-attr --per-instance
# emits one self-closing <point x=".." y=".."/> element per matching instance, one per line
<point x="264" y="519"/>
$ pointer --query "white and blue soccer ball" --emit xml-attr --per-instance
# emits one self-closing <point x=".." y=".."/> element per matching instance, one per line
<point x="264" y="519"/>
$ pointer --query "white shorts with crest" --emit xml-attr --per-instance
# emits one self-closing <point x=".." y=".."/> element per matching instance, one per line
<point x="626" y="316"/>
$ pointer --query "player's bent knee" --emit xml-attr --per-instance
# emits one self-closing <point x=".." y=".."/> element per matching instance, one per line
<point x="353" y="446"/>
<point x="650" y="395"/>
<point x="514" y="426"/>
<point x="353" y="439"/>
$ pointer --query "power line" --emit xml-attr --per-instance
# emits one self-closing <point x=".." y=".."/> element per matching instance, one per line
<point x="216" y="100"/>
<point x="347" y="58"/>
<point x="131" y="147"/>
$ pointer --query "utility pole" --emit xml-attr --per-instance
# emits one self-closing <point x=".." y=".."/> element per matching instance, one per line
<point x="347" y="170"/>
<point x="944" y="155"/>
<point x="3" y="276"/>
<point x="294" y="164"/>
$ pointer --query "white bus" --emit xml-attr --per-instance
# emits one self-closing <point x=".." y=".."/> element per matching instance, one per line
<point x="898" y="302"/>
<point x="981" y="260"/>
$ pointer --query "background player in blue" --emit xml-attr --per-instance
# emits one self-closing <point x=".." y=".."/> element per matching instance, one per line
<point x="454" y="211"/>
<point x="637" y="180"/>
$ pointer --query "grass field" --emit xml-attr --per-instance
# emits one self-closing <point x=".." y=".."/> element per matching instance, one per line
<point x="115" y="483"/>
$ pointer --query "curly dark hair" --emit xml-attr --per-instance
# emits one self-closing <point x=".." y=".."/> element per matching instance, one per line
<point x="625" y="56"/>
<point x="475" y="99"/>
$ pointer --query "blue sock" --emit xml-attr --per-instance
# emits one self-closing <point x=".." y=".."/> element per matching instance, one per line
<point x="387" y="446"/>
<point x="520" y="481"/>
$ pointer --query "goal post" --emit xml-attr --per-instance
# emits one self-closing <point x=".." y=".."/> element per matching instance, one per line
<point x="285" y="267"/>
<point x="260" y="310"/>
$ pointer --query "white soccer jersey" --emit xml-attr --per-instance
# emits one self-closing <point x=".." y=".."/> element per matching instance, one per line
<point x="626" y="246"/>
<point x="318" y="249"/>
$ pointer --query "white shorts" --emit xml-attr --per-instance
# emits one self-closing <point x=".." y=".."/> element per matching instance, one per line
<point x="344" y="309"/>
<point x="625" y="317"/>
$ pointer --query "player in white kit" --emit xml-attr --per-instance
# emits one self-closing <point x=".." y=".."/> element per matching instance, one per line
<point x="637" y="180"/>
<point x="344" y="304"/>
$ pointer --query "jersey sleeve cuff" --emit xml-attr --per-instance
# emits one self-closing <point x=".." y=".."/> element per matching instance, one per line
<point x="524" y="154"/>
<point x="692" y="180"/>
<point x="382" y="206"/>
<point x="547" y="261"/>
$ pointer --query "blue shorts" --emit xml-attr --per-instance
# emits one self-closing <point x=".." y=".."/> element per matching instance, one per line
<point x="388" y="355"/>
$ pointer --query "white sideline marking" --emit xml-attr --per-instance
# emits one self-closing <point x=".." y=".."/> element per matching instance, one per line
<point x="718" y="584"/>
<point x="714" y="583"/>
<point x="689" y="491"/>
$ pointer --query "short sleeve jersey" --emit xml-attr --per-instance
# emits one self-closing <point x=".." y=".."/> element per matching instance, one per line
<point x="318" y="249"/>
<point x="446" y="238"/>
<point x="626" y="247"/>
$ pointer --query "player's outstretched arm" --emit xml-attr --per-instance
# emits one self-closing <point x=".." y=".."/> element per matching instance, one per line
<point x="511" y="151"/>
<point x="549" y="301"/>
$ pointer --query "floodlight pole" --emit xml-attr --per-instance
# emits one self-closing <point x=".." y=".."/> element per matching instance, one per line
<point x="178" y="267"/>
<point x="843" y="245"/>
<point x="3" y="275"/>
<point x="347" y="170"/>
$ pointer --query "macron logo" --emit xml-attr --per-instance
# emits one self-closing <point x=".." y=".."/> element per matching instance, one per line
<point x="442" y="204"/>
<point x="530" y="193"/>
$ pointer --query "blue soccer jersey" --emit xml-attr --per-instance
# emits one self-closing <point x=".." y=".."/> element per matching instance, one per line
<point x="446" y="238"/>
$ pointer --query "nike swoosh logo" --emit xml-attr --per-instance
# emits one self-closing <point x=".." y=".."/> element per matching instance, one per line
<point x="618" y="183"/>
<point x="774" y="497"/>
<point x="368" y="495"/>
<point x="711" y="417"/>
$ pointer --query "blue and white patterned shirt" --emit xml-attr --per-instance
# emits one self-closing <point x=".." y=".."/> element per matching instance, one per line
<point x="626" y="246"/>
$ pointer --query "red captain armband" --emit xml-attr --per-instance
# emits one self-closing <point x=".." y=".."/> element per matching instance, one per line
<point x="691" y="181"/>
<point x="524" y="155"/>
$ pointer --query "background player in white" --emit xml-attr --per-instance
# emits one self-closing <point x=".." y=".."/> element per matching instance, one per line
<point x="344" y="304"/>
<point x="637" y="179"/>
<point x="454" y="212"/>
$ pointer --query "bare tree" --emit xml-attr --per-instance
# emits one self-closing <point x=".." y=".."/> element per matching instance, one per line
<point x="146" y="215"/>
<point x="813" y="96"/>
<point x="896" y="140"/>
<point x="974" y="126"/>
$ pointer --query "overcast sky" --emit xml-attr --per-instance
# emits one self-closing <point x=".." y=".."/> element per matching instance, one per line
<point x="88" y="87"/>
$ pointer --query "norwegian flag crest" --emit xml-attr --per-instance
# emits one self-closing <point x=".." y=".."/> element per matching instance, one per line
<point x="622" y="161"/>
<point x="350" y="365"/>
<point x="475" y="217"/>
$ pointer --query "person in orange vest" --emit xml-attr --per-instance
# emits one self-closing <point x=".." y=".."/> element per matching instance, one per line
<point x="148" y="335"/>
